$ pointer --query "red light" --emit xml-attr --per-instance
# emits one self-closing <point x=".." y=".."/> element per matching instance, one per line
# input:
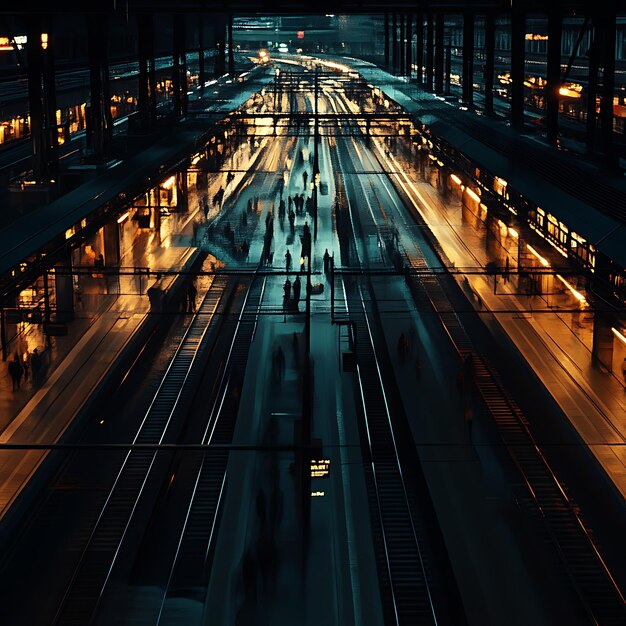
<point x="300" y="34"/>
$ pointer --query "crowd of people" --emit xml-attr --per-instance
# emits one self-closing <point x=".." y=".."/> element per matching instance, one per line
<point x="27" y="367"/>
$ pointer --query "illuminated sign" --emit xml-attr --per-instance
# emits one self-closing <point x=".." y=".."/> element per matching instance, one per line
<point x="317" y="494"/>
<point x="300" y="34"/>
<point x="19" y="41"/>
<point x="536" y="37"/>
<point x="320" y="468"/>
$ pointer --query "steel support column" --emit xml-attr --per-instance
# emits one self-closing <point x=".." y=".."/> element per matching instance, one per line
<point x="409" y="45"/>
<point x="179" y="67"/>
<point x="553" y="74"/>
<point x="518" y="44"/>
<point x="231" y="48"/>
<point x="419" y="46"/>
<point x="439" y="52"/>
<point x="490" y="48"/>
<point x="35" y="100"/>
<point x="201" y="65"/>
<point x="401" y="50"/>
<point x="429" y="52"/>
<point x="592" y="87"/>
<point x="468" y="58"/>
<point x="394" y="44"/>
<point x="64" y="290"/>
<point x="220" y="44"/>
<point x="101" y="128"/>
<point x="386" y="40"/>
<point x="143" y="88"/>
<point x="50" y="101"/>
<point x="608" y="28"/>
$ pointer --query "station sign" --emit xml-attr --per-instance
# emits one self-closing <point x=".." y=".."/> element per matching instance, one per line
<point x="320" y="468"/>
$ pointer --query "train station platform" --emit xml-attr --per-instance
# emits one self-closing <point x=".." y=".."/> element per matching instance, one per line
<point x="589" y="200"/>
<point x="552" y="336"/>
<point x="76" y="368"/>
<point x="32" y="231"/>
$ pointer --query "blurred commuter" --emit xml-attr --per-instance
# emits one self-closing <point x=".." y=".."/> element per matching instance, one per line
<point x="288" y="260"/>
<point x="15" y="371"/>
<point x="35" y="364"/>
<point x="296" y="291"/>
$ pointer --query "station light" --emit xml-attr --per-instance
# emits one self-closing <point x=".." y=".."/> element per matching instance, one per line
<point x="579" y="296"/>
<point x="169" y="182"/>
<point x="543" y="261"/>
<point x="122" y="218"/>
<point x="473" y="194"/>
<point x="619" y="335"/>
<point x="455" y="179"/>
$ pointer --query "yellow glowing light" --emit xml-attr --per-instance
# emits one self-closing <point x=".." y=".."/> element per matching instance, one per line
<point x="122" y="218"/>
<point x="579" y="296"/>
<point x="619" y="335"/>
<point x="473" y="194"/>
<point x="541" y="259"/>
<point x="169" y="182"/>
<point x="513" y="232"/>
<point x="455" y="179"/>
<point x="44" y="40"/>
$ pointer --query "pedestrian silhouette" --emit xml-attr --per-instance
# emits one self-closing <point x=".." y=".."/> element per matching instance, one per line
<point x="296" y="291"/>
<point x="288" y="260"/>
<point x="15" y="371"/>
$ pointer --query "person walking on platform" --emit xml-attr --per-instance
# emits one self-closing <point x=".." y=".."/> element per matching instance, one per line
<point x="288" y="260"/>
<point x="326" y="261"/>
<point x="305" y="177"/>
<point x="26" y="364"/>
<point x="191" y="297"/>
<point x="35" y="364"/>
<point x="286" y="293"/>
<point x="15" y="371"/>
<point x="296" y="291"/>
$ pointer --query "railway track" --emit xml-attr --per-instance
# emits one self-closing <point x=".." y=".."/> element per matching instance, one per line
<point x="542" y="492"/>
<point x="132" y="488"/>
<point x="404" y="566"/>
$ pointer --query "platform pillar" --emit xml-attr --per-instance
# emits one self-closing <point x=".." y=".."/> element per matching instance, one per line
<point x="518" y="45"/>
<point x="394" y="44"/>
<point x="402" y="49"/>
<point x="100" y="129"/>
<point x="409" y="46"/>
<point x="429" y="52"/>
<point x="592" y="87"/>
<point x="111" y="236"/>
<point x="439" y="52"/>
<point x="35" y="100"/>
<point x="490" y="46"/>
<point x="219" y="26"/>
<point x="386" y="27"/>
<point x="419" y="46"/>
<point x="143" y="88"/>
<point x="201" y="64"/>
<point x="231" y="48"/>
<point x="182" y="191"/>
<point x="64" y="290"/>
<point x="607" y="28"/>
<point x="49" y="87"/>
<point x="179" y="68"/>
<point x="553" y="75"/>
<point x="603" y="338"/>
<point x="468" y="59"/>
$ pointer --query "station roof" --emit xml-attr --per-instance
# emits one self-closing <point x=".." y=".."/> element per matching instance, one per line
<point x="32" y="233"/>
<point x="293" y="7"/>
<point x="542" y="175"/>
